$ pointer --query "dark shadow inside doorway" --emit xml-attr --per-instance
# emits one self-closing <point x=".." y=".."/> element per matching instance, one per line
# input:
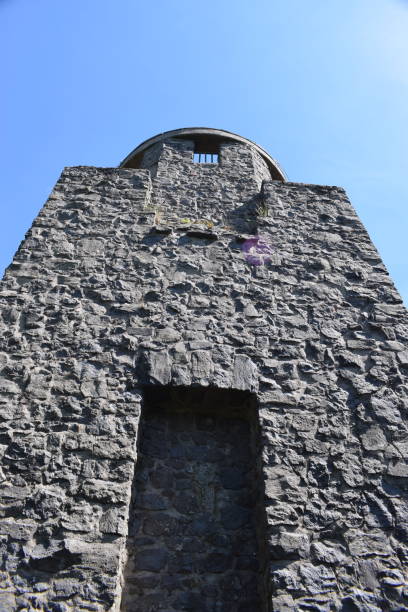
<point x="196" y="529"/>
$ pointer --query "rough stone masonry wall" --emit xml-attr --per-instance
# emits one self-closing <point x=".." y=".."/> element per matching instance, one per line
<point x="117" y="286"/>
<point x="196" y="505"/>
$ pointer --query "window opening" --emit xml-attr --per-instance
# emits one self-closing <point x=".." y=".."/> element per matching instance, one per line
<point x="205" y="158"/>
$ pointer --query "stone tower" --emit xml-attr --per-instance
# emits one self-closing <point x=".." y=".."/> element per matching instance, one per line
<point x="204" y="393"/>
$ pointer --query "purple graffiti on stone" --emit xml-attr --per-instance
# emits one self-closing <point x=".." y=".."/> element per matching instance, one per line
<point x="257" y="251"/>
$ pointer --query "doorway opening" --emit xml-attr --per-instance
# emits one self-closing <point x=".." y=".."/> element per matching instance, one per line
<point x="197" y="526"/>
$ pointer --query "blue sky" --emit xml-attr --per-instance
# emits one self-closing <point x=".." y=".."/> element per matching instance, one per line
<point x="321" y="85"/>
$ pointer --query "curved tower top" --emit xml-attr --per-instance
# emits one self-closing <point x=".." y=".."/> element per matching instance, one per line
<point x="206" y="140"/>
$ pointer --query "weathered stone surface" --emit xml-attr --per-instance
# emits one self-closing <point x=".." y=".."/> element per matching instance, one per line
<point x="137" y="277"/>
<point x="244" y="374"/>
<point x="374" y="439"/>
<point x="210" y="488"/>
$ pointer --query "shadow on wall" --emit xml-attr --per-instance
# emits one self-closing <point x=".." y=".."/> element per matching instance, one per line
<point x="197" y="530"/>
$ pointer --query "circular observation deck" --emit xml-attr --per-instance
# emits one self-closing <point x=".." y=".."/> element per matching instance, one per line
<point x="206" y="140"/>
